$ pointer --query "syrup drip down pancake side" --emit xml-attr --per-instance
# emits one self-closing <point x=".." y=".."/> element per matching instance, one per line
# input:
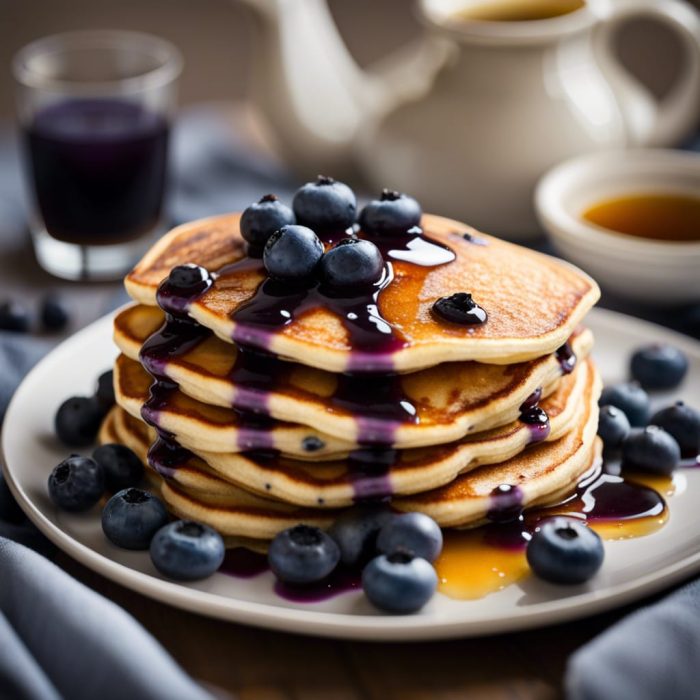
<point x="432" y="406"/>
<point x="533" y="302"/>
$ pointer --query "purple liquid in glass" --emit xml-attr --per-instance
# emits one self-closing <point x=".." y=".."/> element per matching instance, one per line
<point x="98" y="169"/>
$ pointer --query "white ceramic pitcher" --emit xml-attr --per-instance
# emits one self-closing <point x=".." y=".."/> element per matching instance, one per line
<point x="519" y="97"/>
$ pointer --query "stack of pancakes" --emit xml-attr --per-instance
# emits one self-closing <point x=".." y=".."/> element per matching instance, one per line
<point x="257" y="431"/>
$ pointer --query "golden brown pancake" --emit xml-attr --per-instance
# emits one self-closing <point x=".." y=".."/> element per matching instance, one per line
<point x="533" y="302"/>
<point x="449" y="401"/>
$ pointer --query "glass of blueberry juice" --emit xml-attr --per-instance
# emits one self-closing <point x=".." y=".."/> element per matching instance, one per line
<point x="94" y="112"/>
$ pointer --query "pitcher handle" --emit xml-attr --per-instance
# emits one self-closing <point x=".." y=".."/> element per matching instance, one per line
<point x="653" y="122"/>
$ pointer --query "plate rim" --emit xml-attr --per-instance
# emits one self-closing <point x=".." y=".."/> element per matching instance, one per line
<point x="337" y="625"/>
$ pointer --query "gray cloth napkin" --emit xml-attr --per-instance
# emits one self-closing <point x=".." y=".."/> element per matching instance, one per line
<point x="652" y="654"/>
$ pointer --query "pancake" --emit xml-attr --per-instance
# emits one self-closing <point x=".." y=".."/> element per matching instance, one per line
<point x="432" y="406"/>
<point x="371" y="473"/>
<point x="200" y="425"/>
<point x="533" y="302"/>
<point x="536" y="476"/>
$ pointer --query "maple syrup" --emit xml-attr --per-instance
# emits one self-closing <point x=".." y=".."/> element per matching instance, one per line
<point x="519" y="10"/>
<point x="663" y="217"/>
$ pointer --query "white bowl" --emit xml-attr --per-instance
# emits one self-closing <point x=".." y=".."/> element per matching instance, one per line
<point x="654" y="272"/>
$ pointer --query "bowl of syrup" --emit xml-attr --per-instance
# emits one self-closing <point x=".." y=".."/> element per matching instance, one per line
<point x="631" y="219"/>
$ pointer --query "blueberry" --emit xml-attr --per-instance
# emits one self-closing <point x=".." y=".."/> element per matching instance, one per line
<point x="53" y="313"/>
<point x="302" y="554"/>
<point x="631" y="399"/>
<point x="292" y="253"/>
<point x="312" y="443"/>
<point x="411" y="532"/>
<point x="104" y="395"/>
<point x="260" y="220"/>
<point x="186" y="550"/>
<point x="325" y="205"/>
<point x="399" y="582"/>
<point x="651" y="449"/>
<point x="659" y="366"/>
<point x="189" y="278"/>
<point x="564" y="550"/>
<point x="355" y="532"/>
<point x="78" y="420"/>
<point x="459" y="308"/>
<point x="683" y="423"/>
<point x="613" y="427"/>
<point x="13" y="317"/>
<point x="131" y="518"/>
<point x="122" y="467"/>
<point x="77" y="483"/>
<point x="352" y="263"/>
<point x="9" y="510"/>
<point x="392" y="213"/>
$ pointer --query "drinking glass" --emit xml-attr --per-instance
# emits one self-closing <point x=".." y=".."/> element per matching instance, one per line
<point x="94" y="111"/>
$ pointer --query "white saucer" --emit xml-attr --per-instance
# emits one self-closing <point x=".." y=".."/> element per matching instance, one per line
<point x="632" y="569"/>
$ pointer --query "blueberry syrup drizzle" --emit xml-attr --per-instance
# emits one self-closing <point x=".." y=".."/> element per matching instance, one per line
<point x="566" y="358"/>
<point x="506" y="504"/>
<point x="369" y="469"/>
<point x="244" y="563"/>
<point x="537" y="421"/>
<point x="166" y="455"/>
<point x="532" y="400"/>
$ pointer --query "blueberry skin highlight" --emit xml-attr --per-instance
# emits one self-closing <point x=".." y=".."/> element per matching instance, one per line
<point x="292" y="253"/>
<point x="131" y="518"/>
<point x="355" y="532"/>
<point x="325" y="205"/>
<point x="393" y="213"/>
<point x="185" y="550"/>
<point x="352" y="262"/>
<point x="651" y="449"/>
<point x="613" y="427"/>
<point x="399" y="583"/>
<point x="78" y="420"/>
<point x="76" y="484"/>
<point x="659" y="366"/>
<point x="631" y="399"/>
<point x="564" y="550"/>
<point x="302" y="555"/>
<point x="261" y="219"/>
<point x="411" y="532"/>
<point x="683" y="423"/>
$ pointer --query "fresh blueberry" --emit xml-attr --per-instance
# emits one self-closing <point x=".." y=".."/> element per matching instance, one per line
<point x="302" y="554"/>
<point x="613" y="427"/>
<point x="292" y="253"/>
<point x="659" y="366"/>
<point x="564" y="550"/>
<point x="187" y="550"/>
<point x="77" y="483"/>
<point x="683" y="422"/>
<point x="631" y="399"/>
<point x="411" y="532"/>
<point x="459" y="308"/>
<point x="399" y="582"/>
<point x="189" y="278"/>
<point x="325" y="205"/>
<point x="392" y="213"/>
<point x="260" y="220"/>
<point x="355" y="532"/>
<point x="13" y="317"/>
<point x="352" y="263"/>
<point x="53" y="313"/>
<point x="651" y="449"/>
<point x="122" y="467"/>
<point x="312" y="443"/>
<point x="131" y="518"/>
<point x="78" y="420"/>
<point x="104" y="394"/>
<point x="9" y="510"/>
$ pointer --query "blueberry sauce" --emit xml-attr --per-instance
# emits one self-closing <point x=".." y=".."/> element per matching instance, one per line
<point x="459" y="309"/>
<point x="340" y="581"/>
<point x="243" y="563"/>
<point x="412" y="247"/>
<point x="166" y="455"/>
<point x="506" y="504"/>
<point x="368" y="469"/>
<point x="566" y="358"/>
<point x="532" y="400"/>
<point x="537" y="421"/>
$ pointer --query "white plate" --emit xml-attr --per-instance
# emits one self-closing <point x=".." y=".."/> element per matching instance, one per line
<point x="632" y="569"/>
